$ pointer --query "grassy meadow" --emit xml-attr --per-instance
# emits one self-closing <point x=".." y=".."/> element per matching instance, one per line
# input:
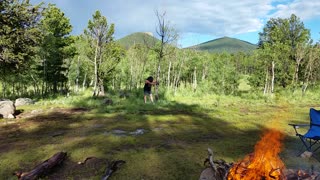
<point x="178" y="129"/>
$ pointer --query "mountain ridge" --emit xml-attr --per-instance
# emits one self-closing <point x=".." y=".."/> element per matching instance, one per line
<point x="137" y="38"/>
<point x="223" y="44"/>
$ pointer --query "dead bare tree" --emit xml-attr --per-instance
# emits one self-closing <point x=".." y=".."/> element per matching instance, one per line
<point x="167" y="36"/>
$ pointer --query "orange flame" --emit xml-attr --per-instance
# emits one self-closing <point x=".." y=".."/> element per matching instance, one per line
<point x="264" y="162"/>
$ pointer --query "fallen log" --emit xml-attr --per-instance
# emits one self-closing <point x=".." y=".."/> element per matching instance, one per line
<point x="44" y="168"/>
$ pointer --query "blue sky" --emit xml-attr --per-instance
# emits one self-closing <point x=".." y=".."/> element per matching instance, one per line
<point x="196" y="21"/>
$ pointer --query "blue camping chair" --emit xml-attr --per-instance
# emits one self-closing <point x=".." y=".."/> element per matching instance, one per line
<point x="311" y="139"/>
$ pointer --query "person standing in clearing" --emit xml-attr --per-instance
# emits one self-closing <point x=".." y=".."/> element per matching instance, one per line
<point x="147" y="89"/>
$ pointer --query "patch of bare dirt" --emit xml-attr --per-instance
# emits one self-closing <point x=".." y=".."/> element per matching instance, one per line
<point x="92" y="167"/>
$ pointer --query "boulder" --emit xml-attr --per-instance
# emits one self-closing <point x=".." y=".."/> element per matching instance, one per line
<point x="7" y="109"/>
<point x="23" y="101"/>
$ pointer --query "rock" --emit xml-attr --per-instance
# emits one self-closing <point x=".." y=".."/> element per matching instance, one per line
<point x="117" y="131"/>
<point x="207" y="174"/>
<point x="7" y="108"/>
<point x="306" y="154"/>
<point x="138" y="132"/>
<point x="10" y="116"/>
<point x="23" y="101"/>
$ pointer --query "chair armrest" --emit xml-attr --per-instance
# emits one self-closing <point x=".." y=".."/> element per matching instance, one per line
<point x="297" y="125"/>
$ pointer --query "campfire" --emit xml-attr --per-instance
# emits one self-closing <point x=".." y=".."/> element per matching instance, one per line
<point x="263" y="164"/>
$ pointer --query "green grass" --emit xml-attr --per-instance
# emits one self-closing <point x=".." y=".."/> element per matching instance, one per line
<point x="179" y="131"/>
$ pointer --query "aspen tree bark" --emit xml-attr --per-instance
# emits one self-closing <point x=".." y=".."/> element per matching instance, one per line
<point x="168" y="78"/>
<point x="78" y="73"/>
<point x="266" y="82"/>
<point x="195" y="79"/>
<point x="84" y="82"/>
<point x="178" y="77"/>
<point x="95" y="71"/>
<point x="272" y="79"/>
<point x="308" y="73"/>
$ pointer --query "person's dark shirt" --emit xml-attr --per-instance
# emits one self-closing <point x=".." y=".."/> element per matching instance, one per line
<point x="147" y="87"/>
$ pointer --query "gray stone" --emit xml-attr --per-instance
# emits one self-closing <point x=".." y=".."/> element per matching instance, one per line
<point x="6" y="108"/>
<point x="118" y="131"/>
<point x="23" y="101"/>
<point x="138" y="132"/>
<point x="10" y="116"/>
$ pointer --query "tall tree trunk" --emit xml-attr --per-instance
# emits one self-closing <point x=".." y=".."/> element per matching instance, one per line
<point x="266" y="82"/>
<point x="43" y="88"/>
<point x="95" y="87"/>
<point x="306" y="82"/>
<point x="204" y="72"/>
<point x="178" y="77"/>
<point x="308" y="73"/>
<point x="131" y="77"/>
<point x="194" y="79"/>
<point x="78" y="73"/>
<point x="272" y="79"/>
<point x="168" y="79"/>
<point x="101" y="87"/>
<point x="84" y="81"/>
<point x="158" y="79"/>
<point x="299" y="55"/>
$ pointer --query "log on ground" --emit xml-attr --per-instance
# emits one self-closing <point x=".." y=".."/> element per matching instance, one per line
<point x="44" y="168"/>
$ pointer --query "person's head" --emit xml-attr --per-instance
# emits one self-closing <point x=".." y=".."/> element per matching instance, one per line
<point x="150" y="79"/>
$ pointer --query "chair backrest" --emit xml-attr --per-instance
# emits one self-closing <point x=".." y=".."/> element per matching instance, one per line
<point x="314" y="131"/>
<point x="314" y="117"/>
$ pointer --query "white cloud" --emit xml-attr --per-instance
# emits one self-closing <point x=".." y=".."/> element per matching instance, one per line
<point x="213" y="17"/>
<point x="207" y="17"/>
<point x="305" y="9"/>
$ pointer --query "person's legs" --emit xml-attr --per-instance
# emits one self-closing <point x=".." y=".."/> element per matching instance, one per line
<point x="151" y="98"/>
<point x="145" y="98"/>
<point x="146" y="93"/>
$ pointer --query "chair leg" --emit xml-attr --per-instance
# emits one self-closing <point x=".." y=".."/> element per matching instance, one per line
<point x="305" y="143"/>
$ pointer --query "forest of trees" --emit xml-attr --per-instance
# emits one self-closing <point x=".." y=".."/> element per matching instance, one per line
<point x="40" y="57"/>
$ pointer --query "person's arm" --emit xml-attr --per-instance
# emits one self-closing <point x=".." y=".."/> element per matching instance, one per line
<point x="152" y="83"/>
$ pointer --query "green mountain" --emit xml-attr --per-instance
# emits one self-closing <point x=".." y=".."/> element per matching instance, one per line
<point x="137" y="38"/>
<point x="231" y="45"/>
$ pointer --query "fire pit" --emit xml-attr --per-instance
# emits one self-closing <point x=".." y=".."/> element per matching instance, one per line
<point x="263" y="164"/>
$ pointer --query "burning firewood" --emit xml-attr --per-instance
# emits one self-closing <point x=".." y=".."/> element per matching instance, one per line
<point x="217" y="170"/>
<point x="44" y="168"/>
<point x="263" y="164"/>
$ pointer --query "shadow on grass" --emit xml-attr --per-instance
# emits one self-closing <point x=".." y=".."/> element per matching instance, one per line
<point x="173" y="147"/>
